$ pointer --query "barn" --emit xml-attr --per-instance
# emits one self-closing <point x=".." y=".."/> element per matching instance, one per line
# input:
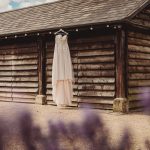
<point x="109" y="43"/>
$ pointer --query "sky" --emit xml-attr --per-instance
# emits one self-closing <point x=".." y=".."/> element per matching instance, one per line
<point x="6" y="5"/>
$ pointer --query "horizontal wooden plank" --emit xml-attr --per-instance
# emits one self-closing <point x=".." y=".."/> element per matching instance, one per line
<point x="6" y="95"/>
<point x="135" y="62"/>
<point x="6" y="89"/>
<point x="135" y="48"/>
<point x="19" y="79"/>
<point x="17" y="95"/>
<point x="139" y="76"/>
<point x="18" y="57"/>
<point x="106" y="59"/>
<point x="95" y="100"/>
<point x="18" y="73"/>
<point x="26" y="84"/>
<point x="25" y="79"/>
<point x="95" y="39"/>
<point x="17" y="51"/>
<point x="98" y="73"/>
<point x="97" y="93"/>
<point x="4" y="79"/>
<point x="138" y="83"/>
<point x="19" y="62"/>
<point x="7" y="99"/>
<point x="136" y="90"/>
<point x="135" y="105"/>
<point x="96" y="87"/>
<point x="25" y="90"/>
<point x="19" y="68"/>
<point x="136" y="55"/>
<point x="143" y="16"/>
<point x="23" y="96"/>
<point x="94" y="53"/>
<point x="89" y="46"/>
<point x="141" y="22"/>
<point x="18" y="90"/>
<point x="19" y="84"/>
<point x="96" y="80"/>
<point x="139" y="35"/>
<point x="136" y="97"/>
<point x="24" y="45"/>
<point x="99" y="66"/>
<point x="142" y="69"/>
<point x="141" y="42"/>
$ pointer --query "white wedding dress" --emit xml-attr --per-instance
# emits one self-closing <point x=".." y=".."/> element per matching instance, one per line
<point x="62" y="73"/>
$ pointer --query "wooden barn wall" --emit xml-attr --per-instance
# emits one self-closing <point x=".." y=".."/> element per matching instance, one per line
<point x="142" y="18"/>
<point x="138" y="67"/>
<point x="18" y="71"/>
<point x="93" y="57"/>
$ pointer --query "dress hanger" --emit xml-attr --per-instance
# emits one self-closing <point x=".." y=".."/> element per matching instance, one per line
<point x="61" y="31"/>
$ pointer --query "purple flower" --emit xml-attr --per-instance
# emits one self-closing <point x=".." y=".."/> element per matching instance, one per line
<point x="125" y="143"/>
<point x="146" y="99"/>
<point x="26" y="128"/>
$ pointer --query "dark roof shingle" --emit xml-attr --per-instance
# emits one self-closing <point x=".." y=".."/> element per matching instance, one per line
<point x="67" y="13"/>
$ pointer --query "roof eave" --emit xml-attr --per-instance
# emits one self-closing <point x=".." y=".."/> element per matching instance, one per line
<point x="135" y="12"/>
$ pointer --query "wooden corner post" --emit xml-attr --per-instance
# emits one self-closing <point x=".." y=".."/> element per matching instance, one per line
<point x="120" y="103"/>
<point x="41" y="97"/>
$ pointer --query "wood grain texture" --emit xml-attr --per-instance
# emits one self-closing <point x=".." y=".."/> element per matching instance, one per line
<point x="120" y="63"/>
<point x="18" y="72"/>
<point x="139" y="67"/>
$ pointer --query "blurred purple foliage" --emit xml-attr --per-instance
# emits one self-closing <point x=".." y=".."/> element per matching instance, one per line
<point x="90" y="134"/>
<point x="146" y="99"/>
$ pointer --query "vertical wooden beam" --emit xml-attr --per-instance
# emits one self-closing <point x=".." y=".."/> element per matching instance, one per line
<point x="120" y="103"/>
<point x="41" y="97"/>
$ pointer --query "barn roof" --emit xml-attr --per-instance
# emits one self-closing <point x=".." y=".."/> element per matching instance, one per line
<point x="67" y="13"/>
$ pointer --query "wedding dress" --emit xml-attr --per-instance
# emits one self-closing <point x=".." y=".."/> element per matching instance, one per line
<point x="62" y="73"/>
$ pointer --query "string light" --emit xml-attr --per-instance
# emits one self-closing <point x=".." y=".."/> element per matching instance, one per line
<point x="119" y="26"/>
<point x="38" y="34"/>
<point x="91" y="28"/>
<point x="77" y="30"/>
<point x="107" y="26"/>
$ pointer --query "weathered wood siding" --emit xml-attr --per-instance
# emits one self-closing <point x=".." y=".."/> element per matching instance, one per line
<point x="93" y="60"/>
<point x="18" y="72"/>
<point x="49" y="61"/>
<point x="138" y="67"/>
<point x="142" y="18"/>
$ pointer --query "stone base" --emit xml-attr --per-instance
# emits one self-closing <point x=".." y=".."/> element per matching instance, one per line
<point x="120" y="105"/>
<point x="40" y="99"/>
